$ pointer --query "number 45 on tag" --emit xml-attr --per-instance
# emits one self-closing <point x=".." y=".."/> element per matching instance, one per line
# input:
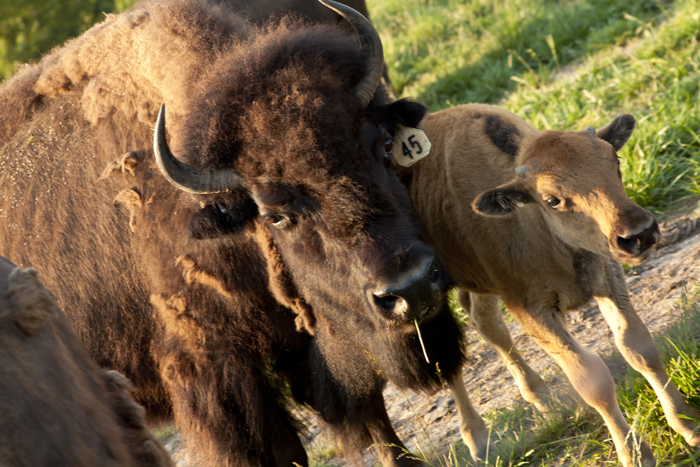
<point x="410" y="145"/>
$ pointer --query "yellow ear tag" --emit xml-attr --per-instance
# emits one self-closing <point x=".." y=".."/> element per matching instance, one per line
<point x="410" y="145"/>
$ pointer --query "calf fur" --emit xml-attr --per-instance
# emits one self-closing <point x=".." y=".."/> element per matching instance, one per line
<point x="542" y="220"/>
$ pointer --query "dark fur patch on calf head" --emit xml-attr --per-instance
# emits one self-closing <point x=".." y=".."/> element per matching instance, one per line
<point x="504" y="135"/>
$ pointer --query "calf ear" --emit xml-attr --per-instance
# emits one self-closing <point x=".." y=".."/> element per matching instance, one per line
<point x="501" y="200"/>
<point x="618" y="131"/>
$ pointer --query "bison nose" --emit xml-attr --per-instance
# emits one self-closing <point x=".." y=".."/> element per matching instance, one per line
<point x="638" y="243"/>
<point x="414" y="295"/>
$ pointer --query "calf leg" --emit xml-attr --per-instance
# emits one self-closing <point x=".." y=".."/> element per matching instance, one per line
<point x="637" y="347"/>
<point x="590" y="377"/>
<point x="486" y="316"/>
<point x="471" y="426"/>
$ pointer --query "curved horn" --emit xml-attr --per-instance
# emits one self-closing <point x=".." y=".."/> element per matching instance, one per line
<point x="186" y="177"/>
<point x="370" y="41"/>
<point x="520" y="171"/>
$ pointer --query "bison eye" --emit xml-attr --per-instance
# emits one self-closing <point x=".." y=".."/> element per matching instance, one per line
<point x="278" y="220"/>
<point x="222" y="208"/>
<point x="553" y="202"/>
<point x="388" y="144"/>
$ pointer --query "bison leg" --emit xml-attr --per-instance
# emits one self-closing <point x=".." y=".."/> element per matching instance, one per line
<point x="239" y="425"/>
<point x="589" y="376"/>
<point x="486" y="315"/>
<point x="637" y="347"/>
<point x="472" y="427"/>
<point x="391" y="450"/>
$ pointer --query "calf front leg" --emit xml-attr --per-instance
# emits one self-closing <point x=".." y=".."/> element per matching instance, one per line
<point x="589" y="376"/>
<point x="471" y="426"/>
<point x="485" y="313"/>
<point x="637" y="346"/>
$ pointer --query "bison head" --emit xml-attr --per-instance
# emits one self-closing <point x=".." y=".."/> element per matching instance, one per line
<point x="575" y="179"/>
<point x="287" y="137"/>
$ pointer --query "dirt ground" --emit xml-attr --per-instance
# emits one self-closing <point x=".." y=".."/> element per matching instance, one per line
<point x="655" y="286"/>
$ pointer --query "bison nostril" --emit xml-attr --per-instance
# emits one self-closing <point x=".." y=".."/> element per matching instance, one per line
<point x="391" y="303"/>
<point x="387" y="302"/>
<point x="629" y="244"/>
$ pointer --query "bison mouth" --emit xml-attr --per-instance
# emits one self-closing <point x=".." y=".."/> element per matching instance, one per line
<point x="416" y="296"/>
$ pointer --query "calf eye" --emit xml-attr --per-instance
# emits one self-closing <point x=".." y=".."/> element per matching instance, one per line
<point x="553" y="202"/>
<point x="278" y="220"/>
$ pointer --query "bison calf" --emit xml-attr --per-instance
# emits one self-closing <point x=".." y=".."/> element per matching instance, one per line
<point x="542" y="220"/>
<point x="57" y="408"/>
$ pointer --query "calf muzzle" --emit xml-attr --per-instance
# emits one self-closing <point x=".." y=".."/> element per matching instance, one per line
<point x="638" y="243"/>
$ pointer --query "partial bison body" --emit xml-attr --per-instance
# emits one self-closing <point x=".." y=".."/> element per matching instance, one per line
<point x="57" y="408"/>
<point x="257" y="241"/>
<point x="541" y="219"/>
<point x="262" y="12"/>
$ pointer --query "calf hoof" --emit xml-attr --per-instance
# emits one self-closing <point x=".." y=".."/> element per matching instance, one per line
<point x="693" y="439"/>
<point x="642" y="457"/>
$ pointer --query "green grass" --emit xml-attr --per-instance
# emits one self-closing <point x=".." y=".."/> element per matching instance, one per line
<point x="568" y="65"/>
<point x="565" y="65"/>
<point x="577" y="436"/>
<point x="448" y="52"/>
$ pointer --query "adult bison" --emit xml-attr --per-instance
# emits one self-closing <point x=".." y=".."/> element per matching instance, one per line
<point x="542" y="219"/>
<point x="57" y="408"/>
<point x="275" y="254"/>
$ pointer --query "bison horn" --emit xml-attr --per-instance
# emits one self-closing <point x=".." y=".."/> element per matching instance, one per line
<point x="369" y="41"/>
<point x="520" y="171"/>
<point x="184" y="176"/>
<point x="591" y="131"/>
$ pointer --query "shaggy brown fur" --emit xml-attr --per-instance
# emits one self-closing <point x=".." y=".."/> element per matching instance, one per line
<point x="546" y="238"/>
<point x="262" y="12"/>
<point x="319" y="235"/>
<point x="57" y="407"/>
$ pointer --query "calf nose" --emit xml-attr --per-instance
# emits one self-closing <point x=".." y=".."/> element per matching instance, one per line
<point x="640" y="242"/>
<point x="414" y="295"/>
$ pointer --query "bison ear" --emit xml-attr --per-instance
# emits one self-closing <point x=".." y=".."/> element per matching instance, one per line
<point x="618" y="131"/>
<point x="403" y="112"/>
<point x="501" y="200"/>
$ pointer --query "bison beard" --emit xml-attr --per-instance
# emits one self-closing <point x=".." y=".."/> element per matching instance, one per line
<point x="197" y="297"/>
